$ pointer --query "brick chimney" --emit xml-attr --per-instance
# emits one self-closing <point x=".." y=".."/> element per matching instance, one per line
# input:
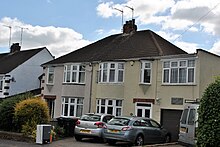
<point x="15" y="47"/>
<point x="129" y="26"/>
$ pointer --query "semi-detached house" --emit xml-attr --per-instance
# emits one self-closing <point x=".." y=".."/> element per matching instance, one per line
<point x="132" y="73"/>
<point x="20" y="70"/>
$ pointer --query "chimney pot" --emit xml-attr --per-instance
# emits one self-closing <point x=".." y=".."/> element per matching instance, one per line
<point x="15" y="47"/>
<point x="129" y="26"/>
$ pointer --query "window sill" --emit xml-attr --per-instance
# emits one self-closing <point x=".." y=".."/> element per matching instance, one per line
<point x="178" y="84"/>
<point x="105" y="83"/>
<point x="145" y="84"/>
<point x="73" y="84"/>
<point x="49" y="84"/>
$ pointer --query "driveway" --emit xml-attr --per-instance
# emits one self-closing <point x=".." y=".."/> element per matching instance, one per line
<point x="68" y="142"/>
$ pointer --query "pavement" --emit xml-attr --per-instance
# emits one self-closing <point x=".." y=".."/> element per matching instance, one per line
<point x="70" y="142"/>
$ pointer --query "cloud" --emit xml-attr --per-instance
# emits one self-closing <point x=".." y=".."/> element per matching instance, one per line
<point x="216" y="48"/>
<point x="58" y="40"/>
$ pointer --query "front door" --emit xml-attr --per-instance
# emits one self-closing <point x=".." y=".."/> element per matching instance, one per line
<point x="143" y="110"/>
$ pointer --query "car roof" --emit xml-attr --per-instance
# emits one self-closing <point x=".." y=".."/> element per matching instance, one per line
<point x="132" y="117"/>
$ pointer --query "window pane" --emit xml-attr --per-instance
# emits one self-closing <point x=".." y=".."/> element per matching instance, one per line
<point x="97" y="109"/>
<point x="118" y="111"/>
<point x="80" y="101"/>
<point x="66" y="110"/>
<point x="174" y="64"/>
<point x="112" y="75"/>
<point x="74" y="76"/>
<point x="72" y="100"/>
<point x="118" y="102"/>
<point x="81" y="68"/>
<point x="79" y="110"/>
<point x="66" y="100"/>
<point x="182" y="63"/>
<point x="120" y="65"/>
<point x="82" y="77"/>
<point x="166" y="76"/>
<point x="174" y="75"/>
<point x="71" y="110"/>
<point x="191" y="75"/>
<point x="191" y="63"/>
<point x="112" y="65"/>
<point x="182" y="76"/>
<point x="166" y="64"/>
<point x="68" y="77"/>
<point x="147" y="65"/>
<point x="184" y="116"/>
<point x="109" y="110"/>
<point x="104" y="76"/>
<point x="120" y="76"/>
<point x="192" y="114"/>
<point x="102" y="109"/>
<point x="1" y="83"/>
<point x="109" y="102"/>
<point x="102" y="102"/>
<point x="50" y="77"/>
<point x="147" y="75"/>
<point x="74" y="67"/>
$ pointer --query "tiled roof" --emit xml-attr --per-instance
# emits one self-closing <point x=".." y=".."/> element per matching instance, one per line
<point x="9" y="61"/>
<point x="139" y="44"/>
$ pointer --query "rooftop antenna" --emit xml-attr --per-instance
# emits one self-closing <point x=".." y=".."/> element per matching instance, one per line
<point x="9" y="35"/>
<point x="121" y="15"/>
<point x="22" y="29"/>
<point x="132" y="9"/>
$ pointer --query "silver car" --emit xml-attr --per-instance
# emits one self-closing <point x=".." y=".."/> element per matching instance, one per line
<point x="135" y="130"/>
<point x="90" y="125"/>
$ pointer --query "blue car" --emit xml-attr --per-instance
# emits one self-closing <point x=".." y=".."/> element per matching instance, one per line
<point x="135" y="130"/>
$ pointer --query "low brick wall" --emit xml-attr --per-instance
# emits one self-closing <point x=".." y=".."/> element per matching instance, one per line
<point x="14" y="136"/>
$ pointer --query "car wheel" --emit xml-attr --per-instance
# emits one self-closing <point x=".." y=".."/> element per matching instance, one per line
<point x="78" y="138"/>
<point x="167" y="139"/>
<point x="111" y="141"/>
<point x="139" y="140"/>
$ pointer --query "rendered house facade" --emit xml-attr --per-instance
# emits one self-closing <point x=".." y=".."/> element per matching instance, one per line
<point x="133" y="73"/>
<point x="20" y="70"/>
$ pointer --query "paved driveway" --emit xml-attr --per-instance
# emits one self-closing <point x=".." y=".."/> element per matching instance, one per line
<point x="68" y="142"/>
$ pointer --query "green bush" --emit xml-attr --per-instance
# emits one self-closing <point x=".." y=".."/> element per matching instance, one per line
<point x="29" y="113"/>
<point x="7" y="111"/>
<point x="209" y="116"/>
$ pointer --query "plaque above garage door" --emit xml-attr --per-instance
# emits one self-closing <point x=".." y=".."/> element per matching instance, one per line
<point x="170" y="120"/>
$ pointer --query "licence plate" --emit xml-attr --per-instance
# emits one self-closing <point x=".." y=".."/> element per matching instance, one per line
<point x="113" y="131"/>
<point x="85" y="131"/>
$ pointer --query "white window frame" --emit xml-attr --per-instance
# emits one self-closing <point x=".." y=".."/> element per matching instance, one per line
<point x="77" y="71"/>
<point x="69" y="103"/>
<point x="144" y="107"/>
<point x="50" y="72"/>
<point x="171" y="65"/>
<point x="143" y="68"/>
<point x="107" y="69"/>
<point x="106" y="105"/>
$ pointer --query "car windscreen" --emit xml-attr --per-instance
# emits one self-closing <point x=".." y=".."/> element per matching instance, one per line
<point x="91" y="117"/>
<point x="119" y="121"/>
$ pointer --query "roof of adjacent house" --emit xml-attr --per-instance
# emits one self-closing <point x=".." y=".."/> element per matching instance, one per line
<point x="138" y="44"/>
<point x="9" y="61"/>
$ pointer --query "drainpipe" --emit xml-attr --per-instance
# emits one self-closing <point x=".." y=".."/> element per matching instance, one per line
<point x="90" y="97"/>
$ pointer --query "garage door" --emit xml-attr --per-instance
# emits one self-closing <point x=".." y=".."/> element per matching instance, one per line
<point x="170" y="120"/>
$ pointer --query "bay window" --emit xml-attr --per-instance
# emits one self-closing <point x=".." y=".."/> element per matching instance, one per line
<point x="111" y="72"/>
<point x="72" y="107"/>
<point x="179" y="71"/>
<point x="74" y="73"/>
<point x="109" y="106"/>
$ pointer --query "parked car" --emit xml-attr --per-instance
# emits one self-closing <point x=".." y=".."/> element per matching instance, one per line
<point x="90" y="125"/>
<point x="135" y="130"/>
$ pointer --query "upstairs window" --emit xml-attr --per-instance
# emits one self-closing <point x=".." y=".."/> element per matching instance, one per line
<point x="111" y="72"/>
<point x="146" y="72"/>
<point x="179" y="72"/>
<point x="1" y="83"/>
<point x="50" y="75"/>
<point x="74" y="74"/>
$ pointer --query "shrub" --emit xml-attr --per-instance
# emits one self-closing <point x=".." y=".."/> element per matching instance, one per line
<point x="29" y="113"/>
<point x="209" y="116"/>
<point x="7" y="111"/>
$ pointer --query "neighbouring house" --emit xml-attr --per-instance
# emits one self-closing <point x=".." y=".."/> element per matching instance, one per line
<point x="20" y="71"/>
<point x="132" y="73"/>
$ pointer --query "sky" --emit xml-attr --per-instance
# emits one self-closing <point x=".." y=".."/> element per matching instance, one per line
<point x="66" y="25"/>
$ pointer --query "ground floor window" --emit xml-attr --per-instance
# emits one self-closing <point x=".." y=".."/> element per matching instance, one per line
<point x="109" y="106"/>
<point x="72" y="107"/>
<point x="143" y="110"/>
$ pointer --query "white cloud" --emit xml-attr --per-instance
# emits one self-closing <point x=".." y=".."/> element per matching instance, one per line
<point x="58" y="40"/>
<point x="186" y="46"/>
<point x="216" y="48"/>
